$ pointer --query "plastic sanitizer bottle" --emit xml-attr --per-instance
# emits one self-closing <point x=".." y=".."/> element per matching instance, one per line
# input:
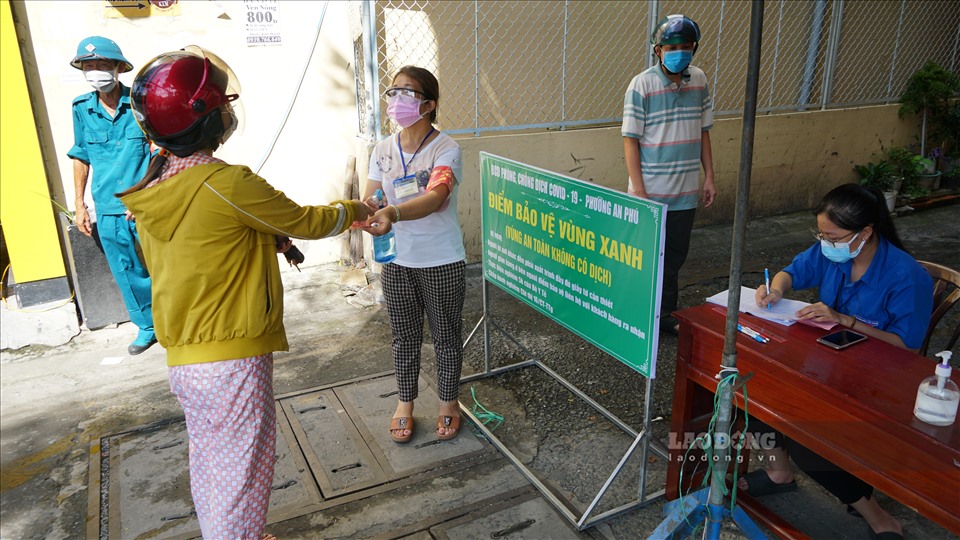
<point x="385" y="245"/>
<point x="938" y="396"/>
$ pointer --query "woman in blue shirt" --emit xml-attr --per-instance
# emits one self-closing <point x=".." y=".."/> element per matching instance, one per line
<point x="869" y="283"/>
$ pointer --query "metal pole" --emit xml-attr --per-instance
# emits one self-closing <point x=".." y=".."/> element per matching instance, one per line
<point x="486" y="327"/>
<point x="956" y="49"/>
<point x="368" y="27"/>
<point x="716" y="71"/>
<point x="833" y="46"/>
<point x="772" y="100"/>
<point x="896" y="49"/>
<point x="476" y="68"/>
<point x="652" y="19"/>
<point x="923" y="134"/>
<point x="813" y="47"/>
<point x="563" y="68"/>
<point x="729" y="360"/>
<point x="647" y="430"/>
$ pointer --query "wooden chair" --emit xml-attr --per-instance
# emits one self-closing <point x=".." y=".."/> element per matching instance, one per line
<point x="943" y="278"/>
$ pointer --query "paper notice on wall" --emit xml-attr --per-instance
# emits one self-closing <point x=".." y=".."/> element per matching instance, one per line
<point x="263" y="22"/>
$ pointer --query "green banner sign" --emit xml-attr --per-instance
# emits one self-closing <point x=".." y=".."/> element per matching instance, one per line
<point x="586" y="256"/>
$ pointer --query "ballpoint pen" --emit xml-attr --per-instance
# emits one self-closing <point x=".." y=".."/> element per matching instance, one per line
<point x="766" y="278"/>
<point x="756" y="336"/>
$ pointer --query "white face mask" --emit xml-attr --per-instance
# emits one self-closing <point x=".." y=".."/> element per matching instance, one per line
<point x="101" y="81"/>
<point x="230" y="123"/>
<point x="839" y="252"/>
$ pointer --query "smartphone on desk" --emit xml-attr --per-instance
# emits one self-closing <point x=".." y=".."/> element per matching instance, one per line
<point x="842" y="339"/>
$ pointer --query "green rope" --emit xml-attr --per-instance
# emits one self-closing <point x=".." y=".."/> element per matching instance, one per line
<point x="709" y="452"/>
<point x="483" y="414"/>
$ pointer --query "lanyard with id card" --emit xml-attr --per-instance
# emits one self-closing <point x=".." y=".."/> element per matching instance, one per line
<point x="406" y="186"/>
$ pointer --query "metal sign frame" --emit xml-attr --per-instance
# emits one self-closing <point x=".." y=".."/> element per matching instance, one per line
<point x="642" y="440"/>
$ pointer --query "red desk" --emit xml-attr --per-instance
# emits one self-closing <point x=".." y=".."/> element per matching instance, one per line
<point x="853" y="407"/>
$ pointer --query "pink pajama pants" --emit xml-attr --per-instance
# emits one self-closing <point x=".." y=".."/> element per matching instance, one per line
<point x="232" y="427"/>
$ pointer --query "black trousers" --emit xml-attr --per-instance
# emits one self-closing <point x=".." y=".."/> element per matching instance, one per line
<point x="843" y="485"/>
<point x="675" y="249"/>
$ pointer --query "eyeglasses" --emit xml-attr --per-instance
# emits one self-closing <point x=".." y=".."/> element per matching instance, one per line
<point x="833" y="242"/>
<point x="395" y="91"/>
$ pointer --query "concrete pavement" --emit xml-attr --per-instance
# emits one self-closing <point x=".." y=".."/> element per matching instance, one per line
<point x="59" y="403"/>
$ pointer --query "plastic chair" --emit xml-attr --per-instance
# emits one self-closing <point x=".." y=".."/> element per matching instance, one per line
<point x="943" y="277"/>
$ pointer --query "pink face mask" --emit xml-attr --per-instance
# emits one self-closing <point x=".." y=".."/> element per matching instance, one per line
<point x="404" y="110"/>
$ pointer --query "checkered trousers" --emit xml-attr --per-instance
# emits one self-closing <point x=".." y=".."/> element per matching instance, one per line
<point x="232" y="428"/>
<point x="438" y="291"/>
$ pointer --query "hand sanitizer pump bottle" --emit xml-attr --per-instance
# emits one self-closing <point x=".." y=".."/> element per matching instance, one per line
<point x="385" y="245"/>
<point x="938" y="396"/>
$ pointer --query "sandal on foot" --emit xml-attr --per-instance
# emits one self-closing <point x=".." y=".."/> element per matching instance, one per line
<point x="399" y="424"/>
<point x="670" y="325"/>
<point x="449" y="422"/>
<point x="759" y="484"/>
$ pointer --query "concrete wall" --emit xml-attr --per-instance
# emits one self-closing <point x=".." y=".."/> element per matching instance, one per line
<point x="797" y="159"/>
<point x="311" y="150"/>
<point x="799" y="156"/>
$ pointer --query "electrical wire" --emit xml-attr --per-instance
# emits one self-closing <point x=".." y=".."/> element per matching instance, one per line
<point x="296" y="91"/>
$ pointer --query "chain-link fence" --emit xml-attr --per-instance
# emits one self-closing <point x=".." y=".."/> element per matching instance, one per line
<point x="556" y="64"/>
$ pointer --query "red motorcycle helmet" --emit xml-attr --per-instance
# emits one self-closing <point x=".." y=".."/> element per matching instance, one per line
<point x="176" y="90"/>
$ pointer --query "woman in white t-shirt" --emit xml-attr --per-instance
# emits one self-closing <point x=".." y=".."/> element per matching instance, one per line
<point x="419" y="170"/>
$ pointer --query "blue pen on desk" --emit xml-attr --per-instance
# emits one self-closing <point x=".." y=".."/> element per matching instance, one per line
<point x="753" y="334"/>
<point x="766" y="277"/>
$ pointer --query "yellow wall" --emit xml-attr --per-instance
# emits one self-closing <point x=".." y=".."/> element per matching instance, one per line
<point x="29" y="225"/>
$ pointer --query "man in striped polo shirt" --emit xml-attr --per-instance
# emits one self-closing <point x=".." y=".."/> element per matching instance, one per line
<point x="667" y="114"/>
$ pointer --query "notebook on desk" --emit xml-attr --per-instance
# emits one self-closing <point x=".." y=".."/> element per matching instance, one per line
<point x="783" y="312"/>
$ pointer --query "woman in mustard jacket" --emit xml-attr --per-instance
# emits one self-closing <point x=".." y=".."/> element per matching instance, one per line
<point x="208" y="233"/>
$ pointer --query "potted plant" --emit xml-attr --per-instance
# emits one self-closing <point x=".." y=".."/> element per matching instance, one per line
<point x="929" y="175"/>
<point x="913" y="190"/>
<point x="905" y="164"/>
<point x="907" y="167"/>
<point x="882" y="176"/>
<point x="928" y="92"/>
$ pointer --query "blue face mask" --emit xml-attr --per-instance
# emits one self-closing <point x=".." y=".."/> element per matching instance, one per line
<point x="677" y="61"/>
<point x="840" y="251"/>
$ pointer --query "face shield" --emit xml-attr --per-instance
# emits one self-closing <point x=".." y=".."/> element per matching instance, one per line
<point x="175" y="90"/>
<point x="222" y="76"/>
